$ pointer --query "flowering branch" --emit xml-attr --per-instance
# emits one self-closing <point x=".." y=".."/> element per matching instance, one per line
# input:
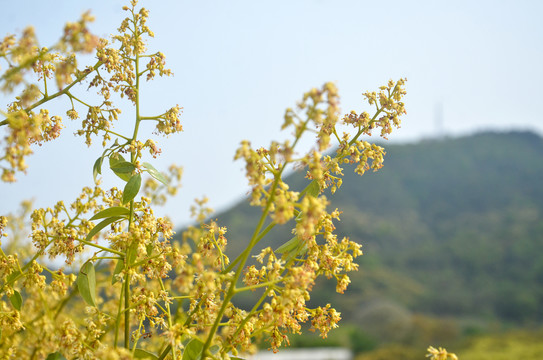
<point x="135" y="282"/>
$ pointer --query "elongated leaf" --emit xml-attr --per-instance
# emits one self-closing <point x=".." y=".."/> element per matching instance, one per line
<point x="301" y="249"/>
<point x="292" y="248"/>
<point x="132" y="188"/>
<point x="102" y="225"/>
<point x="55" y="356"/>
<point x="144" y="354"/>
<point x="97" y="168"/>
<point x="16" y="300"/>
<point x="155" y="173"/>
<point x="148" y="166"/>
<point x="113" y="160"/>
<point x="118" y="268"/>
<point x="112" y="211"/>
<point x="86" y="283"/>
<point x="193" y="350"/>
<point x="288" y="246"/>
<point x="124" y="177"/>
<point x="313" y="188"/>
<point x="123" y="167"/>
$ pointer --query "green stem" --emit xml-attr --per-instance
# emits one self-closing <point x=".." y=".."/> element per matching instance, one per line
<point x="238" y="258"/>
<point x="72" y="97"/>
<point x="133" y="160"/>
<point x="102" y="247"/>
<point x="256" y="286"/>
<point x="116" y="134"/>
<point x="174" y="357"/>
<point x="151" y="117"/>
<point x="44" y="84"/>
<point x="118" y="319"/>
<point x="137" y="339"/>
<point x="126" y="289"/>
<point x="64" y="91"/>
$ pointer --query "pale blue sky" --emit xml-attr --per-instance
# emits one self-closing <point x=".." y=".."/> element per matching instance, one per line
<point x="239" y="64"/>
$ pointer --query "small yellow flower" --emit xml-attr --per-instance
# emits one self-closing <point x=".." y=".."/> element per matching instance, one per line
<point x="440" y="354"/>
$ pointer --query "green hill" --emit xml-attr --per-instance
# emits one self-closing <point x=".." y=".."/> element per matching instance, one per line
<point x="450" y="227"/>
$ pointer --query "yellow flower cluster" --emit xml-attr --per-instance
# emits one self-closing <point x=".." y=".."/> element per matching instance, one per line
<point x="3" y="224"/>
<point x="315" y="249"/>
<point x="440" y="354"/>
<point x="25" y="58"/>
<point x="25" y="129"/>
<point x="54" y="236"/>
<point x="132" y="292"/>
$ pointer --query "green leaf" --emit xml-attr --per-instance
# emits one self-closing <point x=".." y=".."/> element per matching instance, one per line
<point x="86" y="283"/>
<point x="288" y="246"/>
<point x="313" y="188"/>
<point x="115" y="159"/>
<point x="123" y="167"/>
<point x="102" y="225"/>
<point x="193" y="350"/>
<point x="149" y="249"/>
<point x="118" y="268"/>
<point x="55" y="356"/>
<point x="292" y="248"/>
<point x="16" y="300"/>
<point x="155" y="173"/>
<point x="112" y="211"/>
<point x="131" y="188"/>
<point x="144" y="354"/>
<point x="97" y="168"/>
<point x="301" y="249"/>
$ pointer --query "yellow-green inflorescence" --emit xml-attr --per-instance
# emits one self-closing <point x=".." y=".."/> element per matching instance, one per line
<point x="135" y="292"/>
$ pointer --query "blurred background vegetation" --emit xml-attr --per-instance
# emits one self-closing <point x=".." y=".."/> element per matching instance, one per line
<point x="452" y="233"/>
